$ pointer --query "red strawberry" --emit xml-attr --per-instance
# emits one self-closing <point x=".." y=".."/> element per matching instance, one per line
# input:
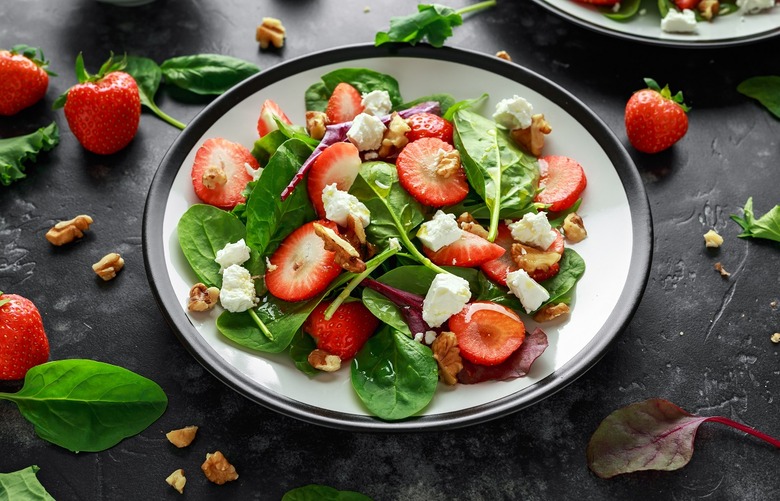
<point x="600" y="2"/>
<point x="469" y="251"/>
<point x="23" y="342"/>
<point x="497" y="269"/>
<point x="428" y="125"/>
<point x="655" y="119"/>
<point x="23" y="78"/>
<point x="562" y="182"/>
<point x="338" y="163"/>
<point x="487" y="332"/>
<point x="266" y="122"/>
<point x="344" y="104"/>
<point x="420" y="174"/>
<point x="346" y="332"/>
<point x="219" y="173"/>
<point x="686" y="4"/>
<point x="301" y="268"/>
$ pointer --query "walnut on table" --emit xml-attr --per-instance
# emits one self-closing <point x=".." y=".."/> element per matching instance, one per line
<point x="502" y="54"/>
<point x="270" y="32"/>
<point x="183" y="436"/>
<point x="712" y="239"/>
<point x="109" y="266"/>
<point x="217" y="468"/>
<point x="177" y="480"/>
<point x="65" y="232"/>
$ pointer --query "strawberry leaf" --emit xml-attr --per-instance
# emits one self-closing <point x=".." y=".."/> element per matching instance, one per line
<point x="767" y="226"/>
<point x="766" y="90"/>
<point x="15" y="151"/>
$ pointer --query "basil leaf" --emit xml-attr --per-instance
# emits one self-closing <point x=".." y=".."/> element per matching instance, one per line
<point x="627" y="9"/>
<point x="15" y="151"/>
<point x="23" y="485"/>
<point x="84" y="405"/>
<point x="766" y="90"/>
<point x="206" y="74"/>
<point x="394" y="376"/>
<point x="147" y="75"/>
<point x="322" y="493"/>
<point x="767" y="226"/>
<point x="365" y="81"/>
<point x="561" y="286"/>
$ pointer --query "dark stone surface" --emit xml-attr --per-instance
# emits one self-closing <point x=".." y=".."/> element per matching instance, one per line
<point x="697" y="339"/>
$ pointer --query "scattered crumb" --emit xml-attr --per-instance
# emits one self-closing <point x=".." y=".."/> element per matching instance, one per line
<point x="773" y="304"/>
<point x="681" y="333"/>
<point x="502" y="54"/>
<point x="366" y="9"/>
<point x="720" y="269"/>
<point x="177" y="480"/>
<point x="712" y="239"/>
<point x="776" y="337"/>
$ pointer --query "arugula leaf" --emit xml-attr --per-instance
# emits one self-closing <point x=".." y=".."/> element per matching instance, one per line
<point x="14" y="151"/>
<point x="766" y="90"/>
<point x="206" y="74"/>
<point x="23" y="485"/>
<point x="147" y="75"/>
<point x="767" y="226"/>
<point x="315" y="492"/>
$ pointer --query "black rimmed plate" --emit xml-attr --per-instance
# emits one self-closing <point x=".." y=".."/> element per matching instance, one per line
<point x="615" y="209"/>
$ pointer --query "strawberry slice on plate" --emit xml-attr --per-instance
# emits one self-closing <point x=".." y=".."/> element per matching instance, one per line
<point x="562" y="181"/>
<point x="346" y="332"/>
<point x="338" y="163"/>
<point x="428" y="125"/>
<point x="219" y="173"/>
<point x="497" y="269"/>
<point x="266" y="122"/>
<point x="344" y="104"/>
<point x="430" y="170"/>
<point x="301" y="268"/>
<point x="487" y="332"/>
<point x="469" y="251"/>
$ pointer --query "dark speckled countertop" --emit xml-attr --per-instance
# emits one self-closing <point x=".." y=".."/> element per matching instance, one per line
<point x="697" y="339"/>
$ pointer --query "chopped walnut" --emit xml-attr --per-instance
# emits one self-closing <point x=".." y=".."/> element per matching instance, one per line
<point x="324" y="361"/>
<point x="395" y="136"/>
<point x="712" y="239"/>
<point x="217" y="468"/>
<point x="532" y="259"/>
<point x="109" y="266"/>
<point x="182" y="437"/>
<point x="202" y="298"/>
<point x="551" y="311"/>
<point x="214" y="177"/>
<point x="720" y="269"/>
<point x="67" y="231"/>
<point x="574" y="228"/>
<point x="532" y="137"/>
<point x="177" y="480"/>
<point x="709" y="9"/>
<point x="468" y="223"/>
<point x="270" y="32"/>
<point x="346" y="256"/>
<point x="448" y="163"/>
<point x="316" y="122"/>
<point x="447" y="355"/>
<point x="775" y="337"/>
<point x="502" y="54"/>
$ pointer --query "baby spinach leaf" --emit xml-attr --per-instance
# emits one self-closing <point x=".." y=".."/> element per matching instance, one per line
<point x="394" y="376"/>
<point x="767" y="226"/>
<point x="322" y="493"/>
<point x="89" y="406"/>
<point x="206" y="74"/>
<point x="556" y="219"/>
<point x="627" y="9"/>
<point x="474" y="205"/>
<point x="464" y="104"/>
<point x="23" y="485"/>
<point x="365" y="81"/>
<point x="766" y="90"/>
<point x="301" y="345"/>
<point x="147" y="75"/>
<point x="316" y="97"/>
<point x="561" y="286"/>
<point x="445" y="102"/>
<point x="267" y="145"/>
<point x="15" y="151"/>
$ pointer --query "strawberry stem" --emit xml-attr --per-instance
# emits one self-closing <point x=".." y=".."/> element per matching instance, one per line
<point x="417" y="255"/>
<point x="476" y="7"/>
<point x="746" y="429"/>
<point x="260" y="324"/>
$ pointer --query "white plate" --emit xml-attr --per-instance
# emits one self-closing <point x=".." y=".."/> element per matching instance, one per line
<point x="615" y="210"/>
<point x="731" y="29"/>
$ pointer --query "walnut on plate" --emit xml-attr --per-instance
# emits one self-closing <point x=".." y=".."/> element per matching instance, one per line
<point x="447" y="356"/>
<point x="532" y="137"/>
<point x="202" y="298"/>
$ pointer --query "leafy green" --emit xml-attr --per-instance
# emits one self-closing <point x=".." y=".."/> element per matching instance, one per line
<point x="363" y="79"/>
<point x="206" y="74"/>
<point x="556" y="219"/>
<point x="767" y="226"/>
<point x="464" y="104"/>
<point x="15" y="151"/>
<point x="23" y="485"/>
<point x="316" y="97"/>
<point x="322" y="493"/>
<point x="627" y="9"/>
<point x="766" y="90"/>
<point x="267" y="145"/>
<point x="84" y="405"/>
<point x="445" y="102"/>
<point x="148" y="75"/>
<point x="301" y="345"/>
<point x="561" y="286"/>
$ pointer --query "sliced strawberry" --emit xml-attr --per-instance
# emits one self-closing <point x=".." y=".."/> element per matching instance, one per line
<point x="562" y="182"/>
<point x="338" y="163"/>
<point x="219" y="173"/>
<point x="266" y="122"/>
<point x="497" y="269"/>
<point x="346" y="332"/>
<point x="687" y="4"/>
<point x="487" y="332"/>
<point x="344" y="104"/>
<point x="600" y="2"/>
<point x="301" y="268"/>
<point x="428" y="125"/>
<point x="420" y="173"/>
<point x="471" y="250"/>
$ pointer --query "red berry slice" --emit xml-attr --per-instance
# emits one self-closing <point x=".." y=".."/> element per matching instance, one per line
<point x="344" y="104"/>
<point x="562" y="181"/>
<point x="220" y="155"/>
<point x="469" y="251"/>
<point x="338" y="163"/>
<point x="487" y="332"/>
<point x="428" y="125"/>
<point x="346" y="332"/>
<point x="497" y="269"/>
<point x="417" y="172"/>
<point x="266" y="122"/>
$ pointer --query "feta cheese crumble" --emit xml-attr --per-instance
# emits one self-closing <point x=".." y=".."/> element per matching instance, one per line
<point x="442" y="230"/>
<point x="534" y="230"/>
<point x="366" y="132"/>
<point x="340" y="204"/>
<point x="238" y="289"/>
<point x="427" y="337"/>
<point x="755" y="6"/>
<point x="230" y="254"/>
<point x="377" y="103"/>
<point x="679" y="22"/>
<point x="393" y="243"/>
<point x="447" y="295"/>
<point x="528" y="291"/>
<point x="514" y="113"/>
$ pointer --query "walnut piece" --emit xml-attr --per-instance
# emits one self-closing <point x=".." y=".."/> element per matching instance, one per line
<point x="67" y="231"/>
<point x="182" y="437"/>
<point x="346" y="256"/>
<point x="709" y="9"/>
<point x="217" y="468"/>
<point x="324" y="361"/>
<point x="316" y="121"/>
<point x="109" y="266"/>
<point x="270" y="32"/>
<point x="202" y="298"/>
<point x="356" y="236"/>
<point x="177" y="480"/>
<point x="394" y="138"/>
<point x="775" y="337"/>
<point x="448" y="163"/>
<point x="214" y="177"/>
<point x="502" y="54"/>
<point x="720" y="269"/>
<point x="447" y="355"/>
<point x="468" y="223"/>
<point x="712" y="239"/>
<point x="532" y="259"/>
<point x="574" y="228"/>
<point x="532" y="137"/>
<point x="551" y="311"/>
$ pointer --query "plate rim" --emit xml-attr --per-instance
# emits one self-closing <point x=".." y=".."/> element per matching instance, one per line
<point x="157" y="272"/>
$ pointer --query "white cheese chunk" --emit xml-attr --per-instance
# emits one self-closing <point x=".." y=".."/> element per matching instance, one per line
<point x="238" y="289"/>
<point x="527" y="290"/>
<point x="233" y="253"/>
<point x="442" y="230"/>
<point x="377" y="103"/>
<point x="755" y="6"/>
<point x="679" y="22"/>
<point x="533" y="230"/>
<point x="447" y="295"/>
<point x="514" y="113"/>
<point x="366" y="132"/>
<point x="340" y="204"/>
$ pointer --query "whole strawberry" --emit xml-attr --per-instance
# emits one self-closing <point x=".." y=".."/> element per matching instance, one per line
<point x="23" y="78"/>
<point x="23" y="343"/>
<point x="655" y="119"/>
<point x="102" y="110"/>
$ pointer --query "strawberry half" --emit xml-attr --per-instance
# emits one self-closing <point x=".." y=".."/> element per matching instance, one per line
<point x="655" y="119"/>
<point x="420" y="173"/>
<point x="219" y="173"/>
<point x="487" y="332"/>
<point x="428" y="125"/>
<point x="344" y="104"/>
<point x="469" y="251"/>
<point x="266" y="122"/>
<point x="338" y="163"/>
<point x="686" y="4"/>
<point x="23" y="342"/>
<point x="301" y="268"/>
<point x="497" y="269"/>
<point x="346" y="332"/>
<point x="562" y="181"/>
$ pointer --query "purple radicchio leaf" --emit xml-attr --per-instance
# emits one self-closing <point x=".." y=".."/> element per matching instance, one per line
<point x="651" y="435"/>
<point x="517" y="365"/>
<point x="411" y="305"/>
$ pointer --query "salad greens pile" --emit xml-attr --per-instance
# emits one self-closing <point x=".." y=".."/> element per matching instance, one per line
<point x="628" y="9"/>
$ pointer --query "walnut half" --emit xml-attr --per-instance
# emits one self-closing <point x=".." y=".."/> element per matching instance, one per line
<point x="551" y="311"/>
<point x="202" y="298"/>
<point x="324" y="361"/>
<point x="447" y="356"/>
<point x="67" y="231"/>
<point x="217" y="468"/>
<point x="532" y="137"/>
<point x="270" y="32"/>
<point x="346" y="255"/>
<point x="574" y="228"/>
<point x="177" y="480"/>
<point x="183" y="436"/>
<point x="109" y="266"/>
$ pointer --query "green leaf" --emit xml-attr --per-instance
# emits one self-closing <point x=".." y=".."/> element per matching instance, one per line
<point x="87" y="406"/>
<point x="627" y="9"/>
<point x="766" y="90"/>
<point x="23" y="485"/>
<point x="561" y="286"/>
<point x="267" y="145"/>
<point x="464" y="104"/>
<point x="316" y="97"/>
<point x="431" y="22"/>
<point x="206" y="74"/>
<point x="315" y="492"/>
<point x="767" y="226"/>
<point x="301" y="345"/>
<point x="147" y="75"/>
<point x="445" y="102"/>
<point x="15" y="151"/>
<point x="365" y="81"/>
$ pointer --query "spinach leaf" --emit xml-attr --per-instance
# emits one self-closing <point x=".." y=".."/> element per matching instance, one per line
<point x="301" y="345"/>
<point x="664" y="6"/>
<point x="627" y="9"/>
<point x="394" y="376"/>
<point x="322" y="493"/>
<point x="474" y="205"/>
<point x="206" y="74"/>
<point x="445" y="102"/>
<point x="557" y="218"/>
<point x="316" y="97"/>
<point x="767" y="226"/>
<point x="15" y="151"/>
<point x="23" y="485"/>
<point x="267" y="145"/>
<point x="561" y="286"/>
<point x="84" y="405"/>
<point x="764" y="89"/>
<point x="464" y="104"/>
<point x="365" y="81"/>
<point x="147" y="75"/>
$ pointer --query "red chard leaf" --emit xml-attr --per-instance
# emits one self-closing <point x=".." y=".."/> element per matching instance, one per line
<point x="517" y="365"/>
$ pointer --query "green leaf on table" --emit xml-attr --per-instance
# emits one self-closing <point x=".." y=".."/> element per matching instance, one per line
<point x="15" y="151"/>
<point x="147" y="75"/>
<point x="23" y="485"/>
<point x="87" y="406"/>
<point x="767" y="226"/>
<point x="315" y="492"/>
<point x="206" y="74"/>
<point x="764" y="89"/>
